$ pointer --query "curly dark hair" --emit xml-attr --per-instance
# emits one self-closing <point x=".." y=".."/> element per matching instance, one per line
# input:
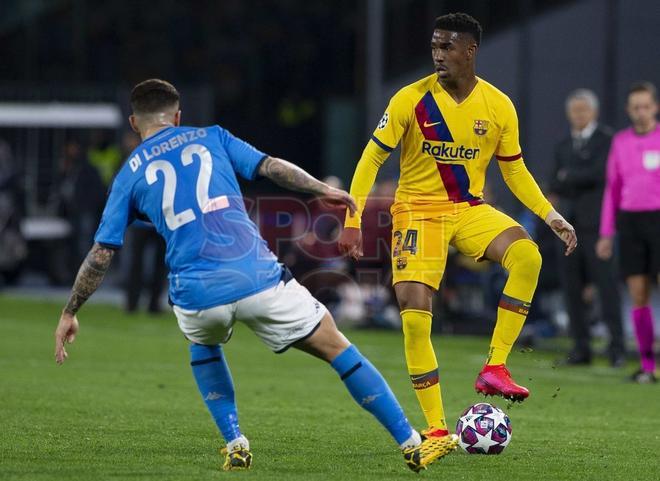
<point x="460" y="22"/>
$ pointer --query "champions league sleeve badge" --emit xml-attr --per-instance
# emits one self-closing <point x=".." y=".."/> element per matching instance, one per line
<point x="383" y="121"/>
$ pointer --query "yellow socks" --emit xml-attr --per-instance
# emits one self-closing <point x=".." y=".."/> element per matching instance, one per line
<point x="523" y="261"/>
<point x="423" y="365"/>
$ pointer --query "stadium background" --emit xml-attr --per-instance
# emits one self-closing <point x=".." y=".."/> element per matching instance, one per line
<point x="307" y="81"/>
<point x="294" y="76"/>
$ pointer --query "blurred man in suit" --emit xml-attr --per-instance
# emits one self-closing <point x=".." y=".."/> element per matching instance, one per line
<point x="579" y="180"/>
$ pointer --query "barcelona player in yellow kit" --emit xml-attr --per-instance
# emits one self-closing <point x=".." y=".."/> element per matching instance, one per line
<point x="450" y="125"/>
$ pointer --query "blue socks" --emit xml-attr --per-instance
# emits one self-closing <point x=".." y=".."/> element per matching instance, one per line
<point x="372" y="393"/>
<point x="363" y="381"/>
<point x="216" y="387"/>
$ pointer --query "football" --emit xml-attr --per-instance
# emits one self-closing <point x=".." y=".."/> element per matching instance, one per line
<point x="483" y="429"/>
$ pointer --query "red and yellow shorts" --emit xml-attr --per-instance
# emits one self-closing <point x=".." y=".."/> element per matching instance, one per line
<point x="420" y="245"/>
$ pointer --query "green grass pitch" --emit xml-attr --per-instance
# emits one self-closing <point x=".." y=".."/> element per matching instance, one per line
<point x="124" y="406"/>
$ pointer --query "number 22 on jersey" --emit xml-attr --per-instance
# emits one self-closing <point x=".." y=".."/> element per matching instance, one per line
<point x="206" y="205"/>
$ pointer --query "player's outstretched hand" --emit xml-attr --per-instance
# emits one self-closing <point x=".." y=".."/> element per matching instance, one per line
<point x="350" y="242"/>
<point x="563" y="230"/>
<point x="65" y="333"/>
<point x="604" y="248"/>
<point x="333" y="197"/>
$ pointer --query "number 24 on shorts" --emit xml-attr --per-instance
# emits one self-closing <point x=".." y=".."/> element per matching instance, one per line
<point x="409" y="242"/>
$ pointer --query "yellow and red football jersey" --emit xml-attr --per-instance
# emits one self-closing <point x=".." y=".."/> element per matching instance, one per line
<point x="445" y="150"/>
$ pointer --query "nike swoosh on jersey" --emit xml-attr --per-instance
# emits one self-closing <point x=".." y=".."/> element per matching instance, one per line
<point x="426" y="124"/>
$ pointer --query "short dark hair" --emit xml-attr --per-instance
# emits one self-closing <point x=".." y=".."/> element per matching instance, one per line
<point x="153" y="96"/>
<point x="643" y="87"/>
<point x="460" y="22"/>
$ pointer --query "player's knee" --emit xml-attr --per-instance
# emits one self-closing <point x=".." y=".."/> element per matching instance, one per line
<point x="416" y="331"/>
<point x="639" y="290"/>
<point x="523" y="258"/>
<point x="327" y="342"/>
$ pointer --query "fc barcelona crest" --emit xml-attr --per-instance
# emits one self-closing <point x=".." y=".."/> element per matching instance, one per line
<point x="481" y="127"/>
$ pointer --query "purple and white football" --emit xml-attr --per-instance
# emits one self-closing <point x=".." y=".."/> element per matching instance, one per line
<point x="483" y="429"/>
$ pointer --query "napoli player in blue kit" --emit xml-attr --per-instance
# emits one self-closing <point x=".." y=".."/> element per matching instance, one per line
<point x="183" y="180"/>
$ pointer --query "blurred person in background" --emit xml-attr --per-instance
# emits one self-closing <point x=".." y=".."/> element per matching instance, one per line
<point x="311" y="253"/>
<point x="145" y="245"/>
<point x="371" y="301"/>
<point x="631" y="208"/>
<point x="143" y="240"/>
<point x="81" y="196"/>
<point x="579" y="181"/>
<point x="104" y="155"/>
<point x="13" y="248"/>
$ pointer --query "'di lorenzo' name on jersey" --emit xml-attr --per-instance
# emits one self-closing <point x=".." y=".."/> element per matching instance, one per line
<point x="158" y="149"/>
<point x="445" y="151"/>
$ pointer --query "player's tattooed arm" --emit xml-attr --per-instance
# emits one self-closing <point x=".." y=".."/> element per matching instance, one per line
<point x="89" y="277"/>
<point x="290" y="176"/>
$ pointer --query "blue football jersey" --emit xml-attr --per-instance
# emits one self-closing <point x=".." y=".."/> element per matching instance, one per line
<point x="183" y="179"/>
